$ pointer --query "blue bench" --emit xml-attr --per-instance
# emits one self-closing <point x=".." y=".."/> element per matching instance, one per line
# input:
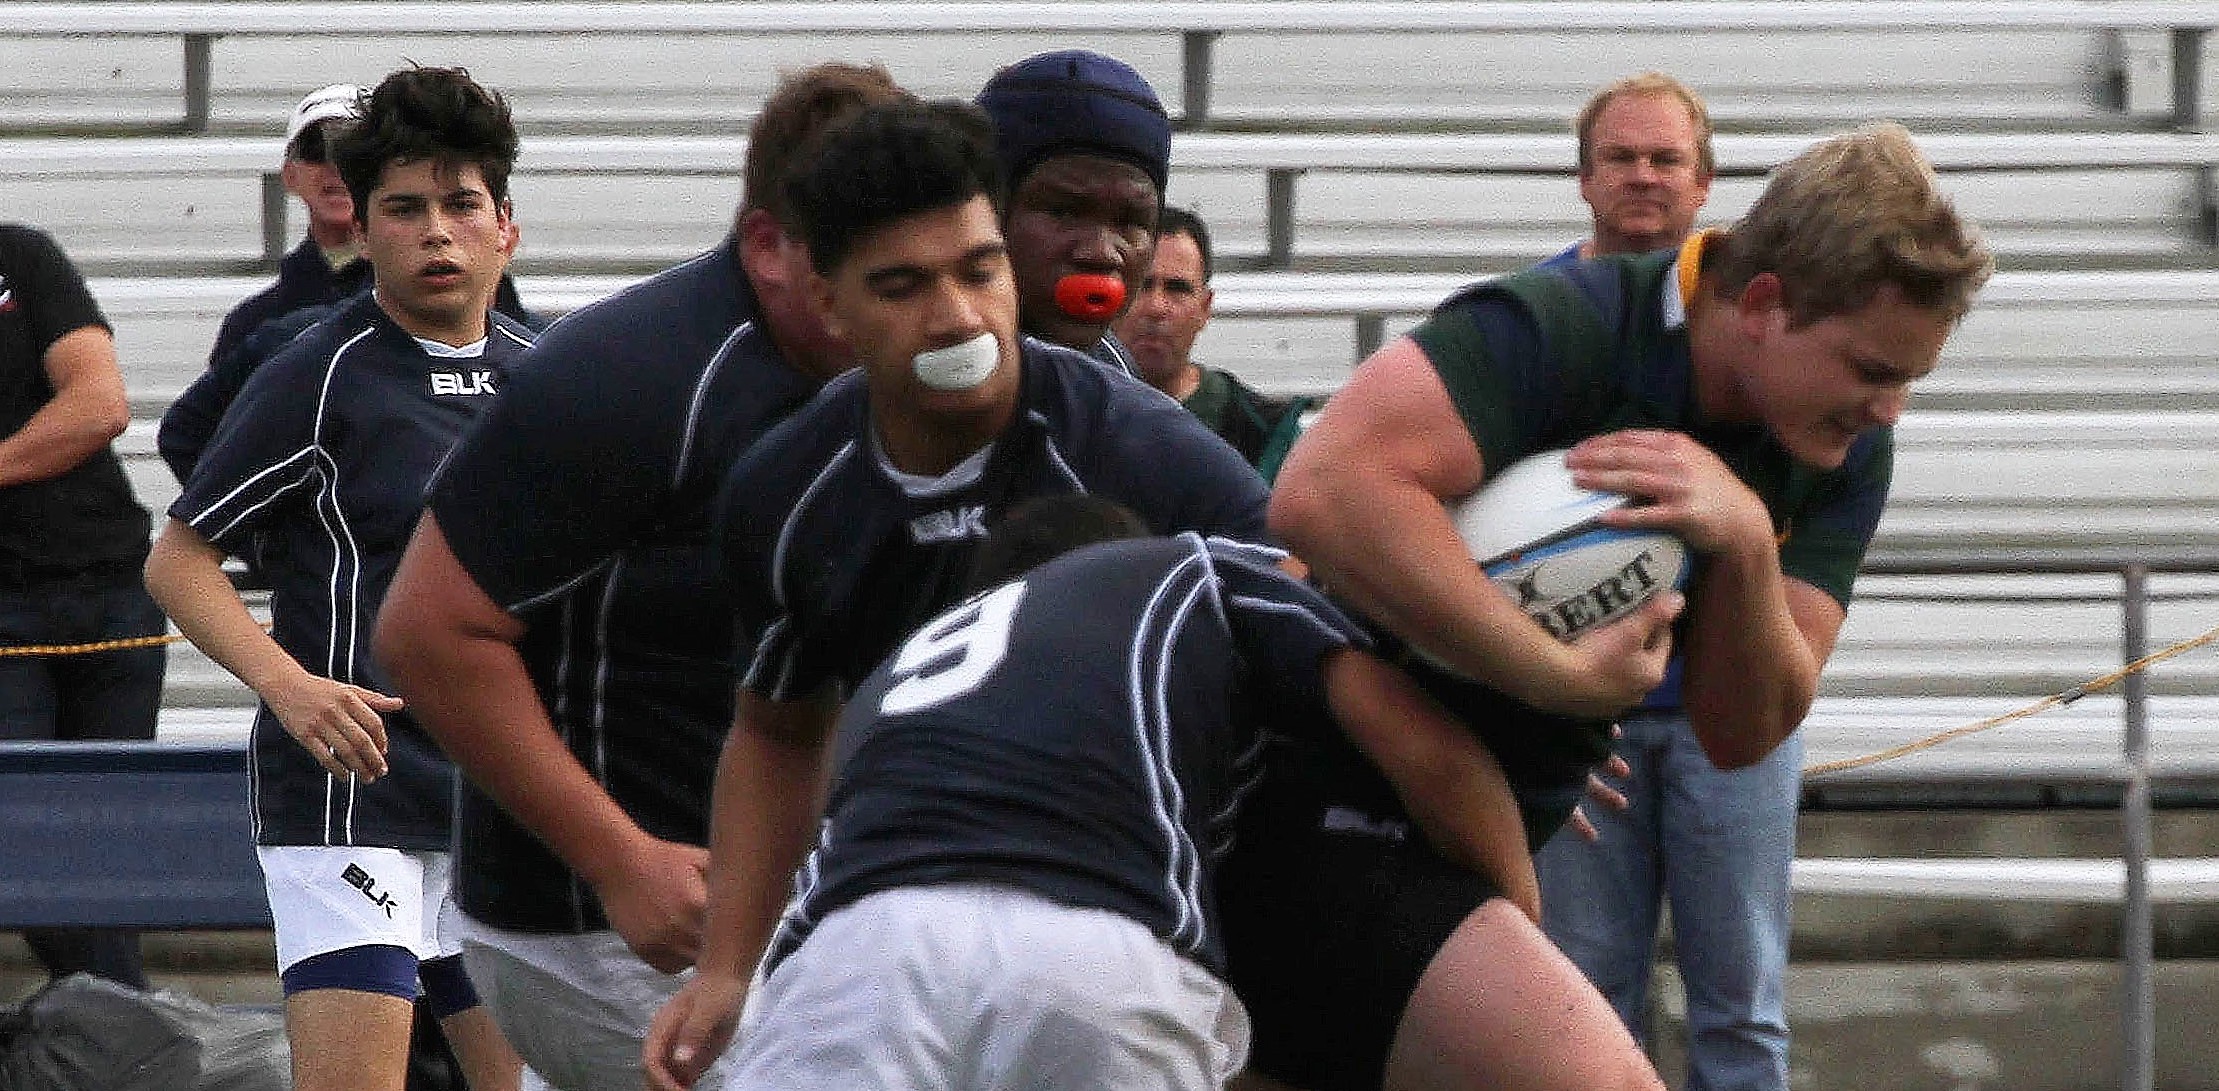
<point x="133" y="834"/>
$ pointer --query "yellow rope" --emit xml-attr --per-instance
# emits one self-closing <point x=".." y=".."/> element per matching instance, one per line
<point x="89" y="649"/>
<point x="2067" y="697"/>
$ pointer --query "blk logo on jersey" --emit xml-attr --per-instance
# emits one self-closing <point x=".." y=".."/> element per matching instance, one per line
<point x="366" y="883"/>
<point x="954" y="524"/>
<point x="462" y="382"/>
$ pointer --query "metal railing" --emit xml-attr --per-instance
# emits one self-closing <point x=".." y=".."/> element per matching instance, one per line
<point x="2133" y="567"/>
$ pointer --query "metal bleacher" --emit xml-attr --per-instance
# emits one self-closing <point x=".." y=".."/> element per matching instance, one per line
<point x="2076" y="412"/>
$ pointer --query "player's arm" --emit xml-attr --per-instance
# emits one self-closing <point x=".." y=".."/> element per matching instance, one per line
<point x="451" y="651"/>
<point x="87" y="412"/>
<point x="337" y="723"/>
<point x="1361" y="500"/>
<point x="1756" y="637"/>
<point x="769" y="792"/>
<point x="1451" y="784"/>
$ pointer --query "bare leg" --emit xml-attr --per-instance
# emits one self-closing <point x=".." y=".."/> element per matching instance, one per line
<point x="344" y="1040"/>
<point x="487" y="1061"/>
<point x="1500" y="1006"/>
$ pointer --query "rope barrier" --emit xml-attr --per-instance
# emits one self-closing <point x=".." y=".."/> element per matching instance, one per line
<point x="2066" y="697"/>
<point x="124" y="644"/>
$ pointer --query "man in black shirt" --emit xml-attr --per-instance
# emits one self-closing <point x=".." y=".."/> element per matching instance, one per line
<point x="71" y="542"/>
<point x="560" y="626"/>
<point x="1085" y="149"/>
<point x="1030" y="798"/>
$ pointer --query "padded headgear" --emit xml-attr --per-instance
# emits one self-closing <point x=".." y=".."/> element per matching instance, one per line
<point x="1076" y="100"/>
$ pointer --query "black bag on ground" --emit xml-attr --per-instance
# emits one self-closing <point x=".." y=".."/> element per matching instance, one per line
<point x="83" y="1033"/>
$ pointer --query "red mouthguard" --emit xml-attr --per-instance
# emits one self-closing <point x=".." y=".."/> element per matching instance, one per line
<point x="1090" y="297"/>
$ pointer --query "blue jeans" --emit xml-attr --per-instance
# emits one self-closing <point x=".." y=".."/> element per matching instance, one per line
<point x="104" y="695"/>
<point x="1718" y="845"/>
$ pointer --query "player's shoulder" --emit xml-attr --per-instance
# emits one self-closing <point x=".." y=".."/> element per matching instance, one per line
<point x="654" y="323"/>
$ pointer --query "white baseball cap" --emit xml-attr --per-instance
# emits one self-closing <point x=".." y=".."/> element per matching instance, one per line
<point x="323" y="104"/>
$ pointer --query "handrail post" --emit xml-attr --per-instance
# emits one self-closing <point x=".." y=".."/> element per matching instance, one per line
<point x="2188" y="79"/>
<point x="1195" y="49"/>
<point x="2137" y="988"/>
<point x="199" y="74"/>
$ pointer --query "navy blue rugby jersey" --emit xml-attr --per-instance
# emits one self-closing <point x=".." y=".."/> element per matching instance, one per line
<point x="580" y="503"/>
<point x="836" y="556"/>
<point x="1081" y="733"/>
<point x="319" y="468"/>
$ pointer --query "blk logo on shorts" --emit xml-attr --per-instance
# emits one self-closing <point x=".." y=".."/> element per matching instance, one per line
<point x="363" y="881"/>
<point x="462" y="382"/>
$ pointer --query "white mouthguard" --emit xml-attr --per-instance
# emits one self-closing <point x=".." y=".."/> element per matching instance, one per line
<point x="959" y="367"/>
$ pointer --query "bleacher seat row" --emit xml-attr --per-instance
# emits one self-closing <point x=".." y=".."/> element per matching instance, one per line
<point x="1198" y="26"/>
<point x="1280" y="158"/>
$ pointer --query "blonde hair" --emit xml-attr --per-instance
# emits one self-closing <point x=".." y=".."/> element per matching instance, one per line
<point x="1846" y="217"/>
<point x="1647" y="84"/>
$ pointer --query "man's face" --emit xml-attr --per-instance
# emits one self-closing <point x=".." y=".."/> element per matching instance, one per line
<point x="438" y="242"/>
<point x="1820" y="386"/>
<point x="1169" y="313"/>
<point x="316" y="182"/>
<point x="1644" y="180"/>
<point x="1078" y="214"/>
<point x="930" y="281"/>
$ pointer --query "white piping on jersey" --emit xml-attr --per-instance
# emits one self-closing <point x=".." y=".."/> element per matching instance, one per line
<point x="520" y="339"/>
<point x="599" y="717"/>
<point x="1269" y="554"/>
<point x="700" y="394"/>
<point x="1055" y="454"/>
<point x="560" y="589"/>
<point x="1186" y="580"/>
<point x="793" y="521"/>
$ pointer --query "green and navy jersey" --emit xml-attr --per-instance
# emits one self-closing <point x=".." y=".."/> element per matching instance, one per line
<point x="1545" y="358"/>
<point x="318" y="469"/>
<point x="580" y="504"/>
<point x="837" y="556"/>
<point x="1084" y="733"/>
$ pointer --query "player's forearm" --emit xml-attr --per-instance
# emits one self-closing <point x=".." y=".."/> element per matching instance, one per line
<point x="451" y="652"/>
<point x="1450" y="783"/>
<point x="184" y="573"/>
<point x="1750" y="672"/>
<point x="769" y="792"/>
<point x="1389" y="548"/>
<point x="61" y="435"/>
<point x="471" y="692"/>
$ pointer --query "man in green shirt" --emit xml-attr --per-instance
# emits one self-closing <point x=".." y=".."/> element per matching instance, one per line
<point x="1160" y="328"/>
<point x="1741" y="389"/>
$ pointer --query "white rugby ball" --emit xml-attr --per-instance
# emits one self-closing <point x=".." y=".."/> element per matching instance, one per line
<point x="1534" y="533"/>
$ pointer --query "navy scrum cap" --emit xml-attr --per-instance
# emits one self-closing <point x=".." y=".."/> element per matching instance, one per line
<point x="1076" y="100"/>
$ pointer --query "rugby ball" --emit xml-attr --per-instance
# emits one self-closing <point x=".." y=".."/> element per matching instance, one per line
<point x="1534" y="533"/>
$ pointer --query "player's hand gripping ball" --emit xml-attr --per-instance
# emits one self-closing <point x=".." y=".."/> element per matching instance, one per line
<point x="1536" y="535"/>
<point x="1090" y="297"/>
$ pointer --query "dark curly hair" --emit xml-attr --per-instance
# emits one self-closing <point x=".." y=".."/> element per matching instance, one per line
<point x="893" y="161"/>
<point x="439" y="114"/>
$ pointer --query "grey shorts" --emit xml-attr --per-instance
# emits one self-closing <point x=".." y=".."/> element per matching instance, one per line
<point x="988" y="988"/>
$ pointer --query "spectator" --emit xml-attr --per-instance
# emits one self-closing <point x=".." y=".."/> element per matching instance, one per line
<point x="321" y="463"/>
<point x="1645" y="166"/>
<point x="325" y="269"/>
<point x="71" y="542"/>
<point x="1645" y="169"/>
<point x="1159" y="329"/>
<point x="1086" y="151"/>
<point x="1740" y="388"/>
<point x="598" y="636"/>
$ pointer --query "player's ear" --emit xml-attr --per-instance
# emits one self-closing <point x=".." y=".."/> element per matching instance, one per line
<point x="1762" y="300"/>
<point x="820" y="297"/>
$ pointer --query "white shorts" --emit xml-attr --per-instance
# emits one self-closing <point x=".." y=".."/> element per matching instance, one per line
<point x="988" y="988"/>
<point x="576" y="1007"/>
<point x="330" y="898"/>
